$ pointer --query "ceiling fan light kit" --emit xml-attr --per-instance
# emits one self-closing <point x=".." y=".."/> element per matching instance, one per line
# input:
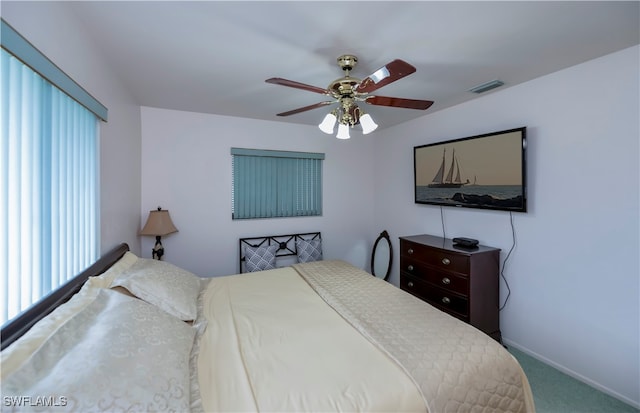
<point x="347" y="91"/>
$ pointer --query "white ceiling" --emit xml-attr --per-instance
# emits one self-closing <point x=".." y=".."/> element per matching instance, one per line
<point x="214" y="57"/>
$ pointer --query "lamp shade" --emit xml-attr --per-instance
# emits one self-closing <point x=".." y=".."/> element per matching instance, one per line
<point x="328" y="123"/>
<point x="159" y="223"/>
<point x="343" y="131"/>
<point x="368" y="125"/>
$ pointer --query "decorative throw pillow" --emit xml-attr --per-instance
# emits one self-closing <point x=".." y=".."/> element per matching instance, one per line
<point x="260" y="258"/>
<point x="164" y="285"/>
<point x="309" y="250"/>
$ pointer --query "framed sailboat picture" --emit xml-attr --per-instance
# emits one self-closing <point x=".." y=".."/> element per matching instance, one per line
<point x="484" y="171"/>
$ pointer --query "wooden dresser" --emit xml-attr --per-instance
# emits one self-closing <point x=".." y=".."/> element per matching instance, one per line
<point x="460" y="281"/>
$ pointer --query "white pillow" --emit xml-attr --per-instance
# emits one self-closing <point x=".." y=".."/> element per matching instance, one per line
<point x="118" y="354"/>
<point x="164" y="285"/>
<point x="105" y="279"/>
<point x="14" y="355"/>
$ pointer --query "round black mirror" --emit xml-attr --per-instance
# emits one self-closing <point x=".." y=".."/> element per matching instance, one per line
<point x="382" y="256"/>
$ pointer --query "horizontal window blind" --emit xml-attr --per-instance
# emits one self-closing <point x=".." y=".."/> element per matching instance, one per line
<point x="271" y="184"/>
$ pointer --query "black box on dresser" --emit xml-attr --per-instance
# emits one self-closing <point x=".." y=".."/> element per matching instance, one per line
<point x="463" y="282"/>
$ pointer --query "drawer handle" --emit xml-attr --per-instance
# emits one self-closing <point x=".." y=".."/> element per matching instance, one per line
<point x="410" y="284"/>
<point x="446" y="300"/>
<point x="446" y="281"/>
<point x="410" y="267"/>
<point x="446" y="261"/>
<point x="410" y="251"/>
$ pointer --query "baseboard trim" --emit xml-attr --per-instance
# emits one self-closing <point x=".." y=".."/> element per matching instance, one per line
<point x="571" y="373"/>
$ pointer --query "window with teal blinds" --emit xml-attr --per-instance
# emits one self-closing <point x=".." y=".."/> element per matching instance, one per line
<point x="271" y="184"/>
<point x="49" y="175"/>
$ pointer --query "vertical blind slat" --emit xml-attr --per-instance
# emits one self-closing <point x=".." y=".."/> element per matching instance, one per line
<point x="4" y="181"/>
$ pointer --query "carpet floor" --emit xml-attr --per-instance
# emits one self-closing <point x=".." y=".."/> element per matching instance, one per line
<point x="556" y="392"/>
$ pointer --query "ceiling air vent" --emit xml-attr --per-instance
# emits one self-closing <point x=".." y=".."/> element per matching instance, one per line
<point x="492" y="84"/>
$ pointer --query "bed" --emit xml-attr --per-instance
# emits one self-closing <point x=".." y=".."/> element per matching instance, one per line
<point x="133" y="334"/>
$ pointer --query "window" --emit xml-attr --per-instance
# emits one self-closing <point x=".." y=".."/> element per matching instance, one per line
<point x="49" y="174"/>
<point x="270" y="184"/>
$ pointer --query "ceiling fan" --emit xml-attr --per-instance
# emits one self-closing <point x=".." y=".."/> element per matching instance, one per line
<point x="347" y="91"/>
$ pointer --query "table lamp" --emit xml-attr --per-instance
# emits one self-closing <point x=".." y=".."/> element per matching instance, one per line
<point x="158" y="223"/>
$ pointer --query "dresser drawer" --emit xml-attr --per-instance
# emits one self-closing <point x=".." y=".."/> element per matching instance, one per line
<point x="443" y="299"/>
<point x="441" y="259"/>
<point x="446" y="280"/>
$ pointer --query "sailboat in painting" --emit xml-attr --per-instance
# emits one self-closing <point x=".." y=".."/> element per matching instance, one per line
<point x="452" y="179"/>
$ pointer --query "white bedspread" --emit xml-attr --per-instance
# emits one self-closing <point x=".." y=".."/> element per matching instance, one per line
<point x="272" y="344"/>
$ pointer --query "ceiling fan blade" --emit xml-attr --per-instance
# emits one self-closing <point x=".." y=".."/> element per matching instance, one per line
<point x="297" y="85"/>
<point x="391" y="72"/>
<point x="399" y="102"/>
<point x="306" y="108"/>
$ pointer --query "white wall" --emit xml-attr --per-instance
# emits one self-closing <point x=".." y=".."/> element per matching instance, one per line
<point x="574" y="273"/>
<point x="186" y="168"/>
<point x="62" y="38"/>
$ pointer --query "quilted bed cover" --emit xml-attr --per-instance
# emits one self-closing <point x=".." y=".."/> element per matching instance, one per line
<point x="326" y="336"/>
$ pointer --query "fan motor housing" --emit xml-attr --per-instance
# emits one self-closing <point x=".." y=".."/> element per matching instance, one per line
<point x="343" y="86"/>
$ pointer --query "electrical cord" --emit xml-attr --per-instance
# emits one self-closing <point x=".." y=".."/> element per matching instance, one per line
<point x="504" y="263"/>
<point x="513" y="245"/>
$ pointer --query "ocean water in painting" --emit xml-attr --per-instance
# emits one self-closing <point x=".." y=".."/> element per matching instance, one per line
<point x="448" y="195"/>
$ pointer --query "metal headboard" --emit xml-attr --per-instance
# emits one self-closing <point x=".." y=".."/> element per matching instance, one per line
<point x="286" y="243"/>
